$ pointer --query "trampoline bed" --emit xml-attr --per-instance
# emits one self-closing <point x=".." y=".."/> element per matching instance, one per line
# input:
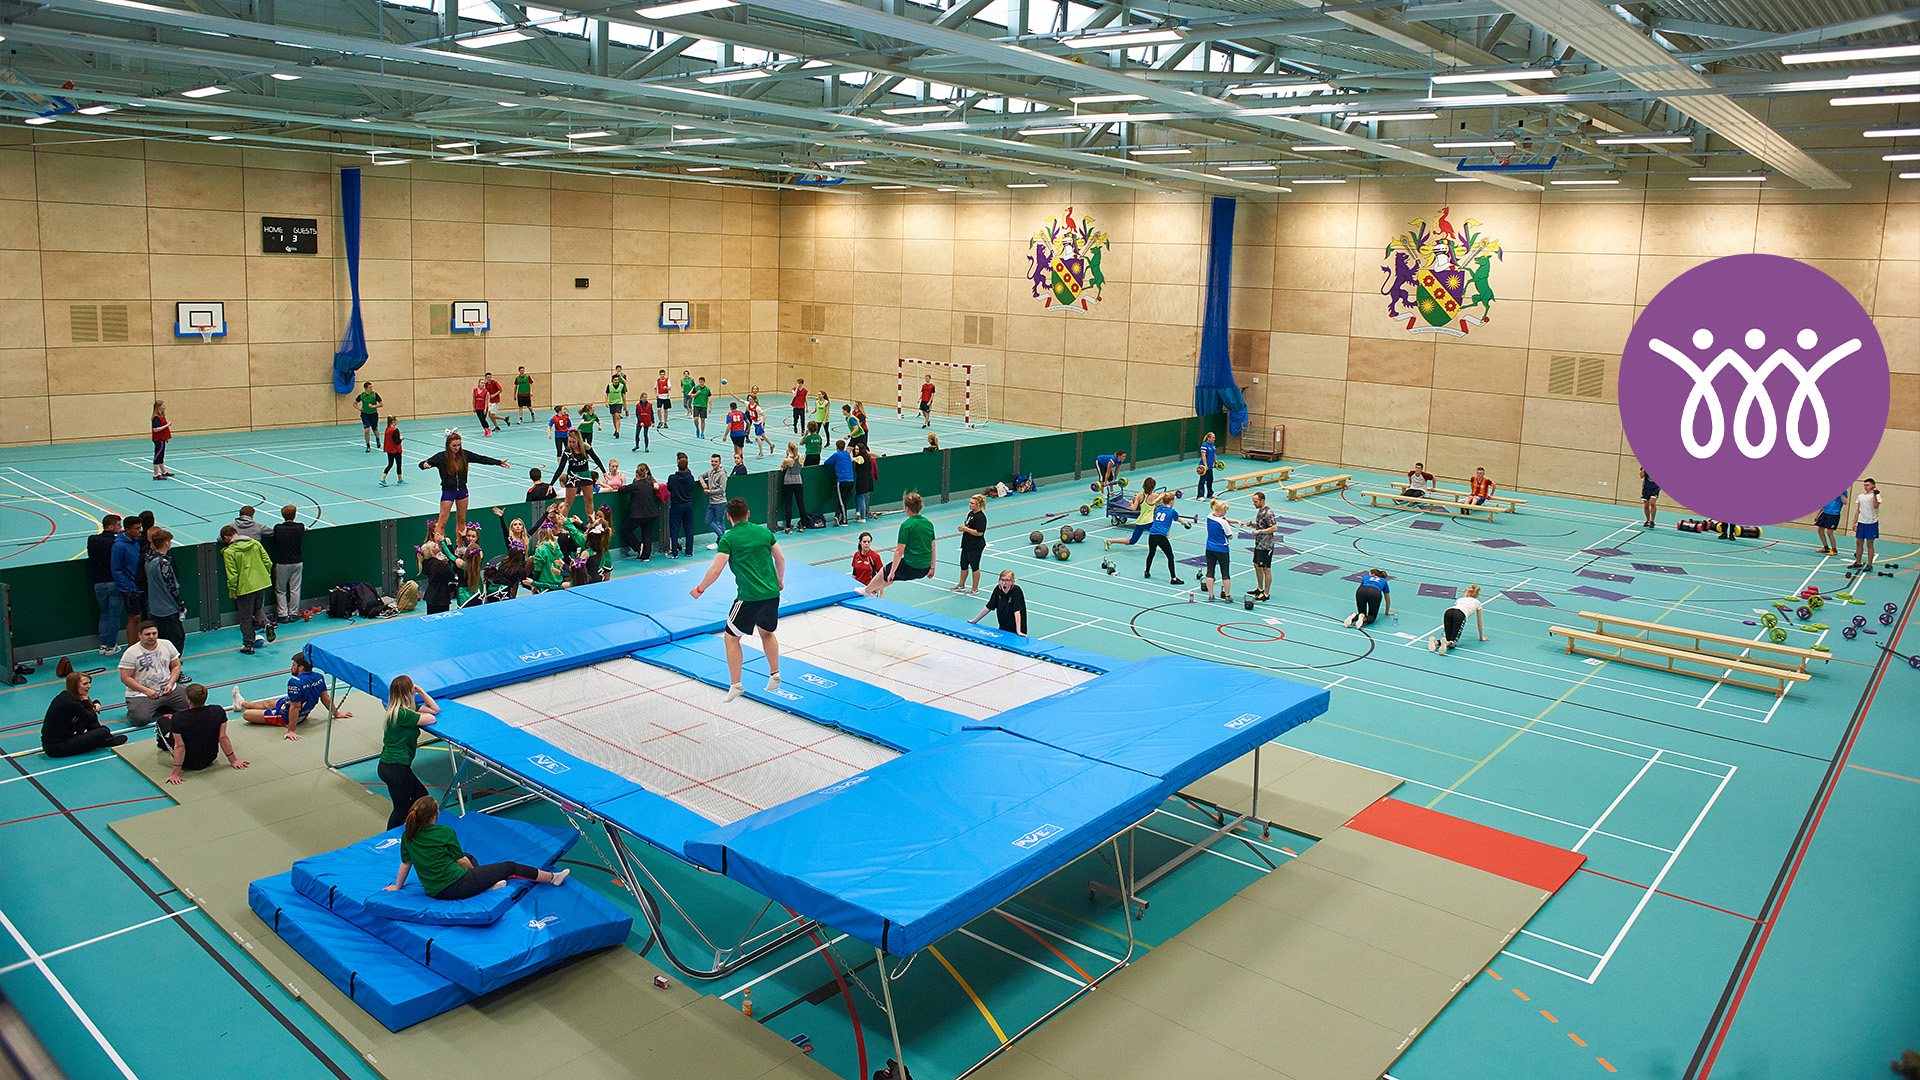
<point x="673" y="736"/>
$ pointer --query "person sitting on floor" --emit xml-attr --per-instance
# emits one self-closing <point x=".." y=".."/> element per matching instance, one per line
<point x="447" y="872"/>
<point x="305" y="689"/>
<point x="73" y="722"/>
<point x="194" y="735"/>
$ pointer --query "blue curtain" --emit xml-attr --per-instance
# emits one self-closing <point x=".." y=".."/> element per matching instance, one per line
<point x="353" y="347"/>
<point x="1214" y="390"/>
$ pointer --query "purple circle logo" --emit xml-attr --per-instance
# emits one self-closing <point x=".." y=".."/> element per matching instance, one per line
<point x="1754" y="389"/>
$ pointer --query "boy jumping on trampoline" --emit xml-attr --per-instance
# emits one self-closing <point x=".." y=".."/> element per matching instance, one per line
<point x="759" y="570"/>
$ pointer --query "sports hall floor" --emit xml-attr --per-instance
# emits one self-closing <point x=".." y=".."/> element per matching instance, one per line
<point x="51" y="498"/>
<point x="1747" y="855"/>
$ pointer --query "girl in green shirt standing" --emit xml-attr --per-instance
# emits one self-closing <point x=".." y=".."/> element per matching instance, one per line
<point x="399" y="739"/>
<point x="447" y="873"/>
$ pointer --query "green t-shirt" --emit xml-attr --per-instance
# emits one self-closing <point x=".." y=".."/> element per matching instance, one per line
<point x="616" y="393"/>
<point x="434" y="853"/>
<point x="749" y="551"/>
<point x="588" y="421"/>
<point x="702" y="395"/>
<point x="523" y="384"/>
<point x="402" y="735"/>
<point x="810" y="443"/>
<point x="369" y="402"/>
<point x="686" y="386"/>
<point x="917" y="533"/>
<point x="820" y="412"/>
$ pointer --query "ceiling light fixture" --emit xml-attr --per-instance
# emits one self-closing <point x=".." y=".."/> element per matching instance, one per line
<point x="947" y="189"/>
<point x="848" y="164"/>
<point x="1159" y="151"/>
<point x="220" y="138"/>
<point x="498" y="37"/>
<point x="1525" y="75"/>
<point x="1900" y="157"/>
<point x="596" y="134"/>
<point x="1887" y="78"/>
<point x="1295" y="110"/>
<point x="938" y="125"/>
<point x="1891" y="133"/>
<point x="1910" y="176"/>
<point x="1456" y="179"/>
<point x="1374" y="118"/>
<point x="1068" y="129"/>
<point x="1315" y="146"/>
<point x="390" y="161"/>
<point x="1249" y="168"/>
<point x="1121" y="118"/>
<point x="283" y="76"/>
<point x="889" y="187"/>
<point x="1105" y="99"/>
<point x="1282" y="88"/>
<point x="1583" y="183"/>
<point x="1871" y="52"/>
<point x="98" y="110"/>
<point x="523" y="153"/>
<point x="38" y="120"/>
<point x="684" y="7"/>
<point x="508" y="104"/>
<point x="1312" y="180"/>
<point x="1642" y="140"/>
<point x="734" y="76"/>
<point x="1879" y="99"/>
<point x="1739" y="178"/>
<point x="204" y="91"/>
<point x="916" y="110"/>
<point x="1469" y="101"/>
<point x="707" y="168"/>
<point x="1470" y="144"/>
<point x="1026" y="185"/>
<point x="1125" y="39"/>
<point x="451" y="145"/>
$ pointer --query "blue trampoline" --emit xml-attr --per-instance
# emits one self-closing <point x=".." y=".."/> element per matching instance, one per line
<point x="911" y="772"/>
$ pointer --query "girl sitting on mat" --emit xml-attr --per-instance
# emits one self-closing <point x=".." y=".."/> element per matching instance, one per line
<point x="1142" y="517"/>
<point x="1456" y="619"/>
<point x="446" y="872"/>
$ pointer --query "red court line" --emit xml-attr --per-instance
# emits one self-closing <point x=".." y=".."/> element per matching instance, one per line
<point x="1515" y="858"/>
<point x="1663" y="892"/>
<point x="1877" y="772"/>
<point x="77" y="809"/>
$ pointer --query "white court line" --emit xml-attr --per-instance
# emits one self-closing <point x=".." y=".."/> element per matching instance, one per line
<point x="1002" y="948"/>
<point x="1608" y="812"/>
<point x="1562" y="944"/>
<point x="1529" y="813"/>
<point x="1549" y="967"/>
<point x="1256" y="842"/>
<point x="1602" y="542"/>
<point x="61" y="989"/>
<point x="58" y="768"/>
<point x="11" y="968"/>
<point x="810" y="952"/>
<point x="1654" y="885"/>
<point x="1207" y="850"/>
<point x="1064" y="939"/>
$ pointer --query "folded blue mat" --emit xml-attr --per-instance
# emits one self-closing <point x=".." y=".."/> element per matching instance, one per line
<point x="391" y="988"/>
<point x="352" y="881"/>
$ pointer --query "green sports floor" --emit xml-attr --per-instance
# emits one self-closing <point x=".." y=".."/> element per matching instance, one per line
<point x="1750" y="904"/>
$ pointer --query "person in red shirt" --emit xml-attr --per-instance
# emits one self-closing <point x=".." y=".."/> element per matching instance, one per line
<point x="480" y="407"/>
<point x="493" y="401"/>
<point x="642" y="422"/>
<point x="559" y="425"/>
<point x="926" y="403"/>
<point x="799" y="405"/>
<point x="662" y="397"/>
<point x="737" y="426"/>
<point x="1479" y="487"/>
<point x="866" y="561"/>
<point x="391" y="444"/>
<point x="162" y="431"/>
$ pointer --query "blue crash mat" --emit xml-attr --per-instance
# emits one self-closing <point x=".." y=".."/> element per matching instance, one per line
<point x="478" y="648"/>
<point x="391" y="988"/>
<point x="662" y="596"/>
<point x="1175" y="718"/>
<point x="985" y="635"/>
<point x="353" y="879"/>
<point x="909" y="851"/>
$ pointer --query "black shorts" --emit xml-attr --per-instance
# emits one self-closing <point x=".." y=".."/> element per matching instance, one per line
<point x="970" y="558"/>
<point x="746" y="616"/>
<point x="1219" y="559"/>
<point x="926" y="406"/>
<point x="1263" y="557"/>
<point x="899" y="572"/>
<point x="368" y="420"/>
<point x="739" y="440"/>
<point x="663" y="404"/>
<point x="1648" y="491"/>
<point x="135" y="603"/>
<point x="617" y="410"/>
<point x="699" y="412"/>
<point x="1827" y="521"/>
<point x="525" y="401"/>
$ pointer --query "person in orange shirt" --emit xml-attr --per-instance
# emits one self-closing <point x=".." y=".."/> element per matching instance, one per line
<point x="1479" y="488"/>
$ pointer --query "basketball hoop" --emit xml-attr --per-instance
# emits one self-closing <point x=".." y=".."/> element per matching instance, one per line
<point x="206" y="335"/>
<point x="472" y="324"/>
<point x="204" y="327"/>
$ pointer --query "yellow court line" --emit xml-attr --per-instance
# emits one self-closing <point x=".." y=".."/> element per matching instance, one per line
<point x="1065" y="914"/>
<point x="1455" y="786"/>
<point x="977" y="1003"/>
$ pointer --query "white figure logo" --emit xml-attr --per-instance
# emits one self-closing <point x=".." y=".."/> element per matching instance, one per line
<point x="1806" y="395"/>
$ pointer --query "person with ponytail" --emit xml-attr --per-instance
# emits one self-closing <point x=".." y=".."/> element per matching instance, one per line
<point x="447" y="873"/>
<point x="408" y="710"/>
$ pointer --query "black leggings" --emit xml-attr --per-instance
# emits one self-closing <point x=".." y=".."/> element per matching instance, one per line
<point x="792" y="496"/>
<point x="1218" y="559"/>
<point x="1452" y="623"/>
<point x="86" y="742"/>
<point x="1366" y="600"/>
<point x="482" y="415"/>
<point x="403" y="788"/>
<point x="1159" y="542"/>
<point x="481" y="878"/>
<point x="393" y="465"/>
<point x="643" y="529"/>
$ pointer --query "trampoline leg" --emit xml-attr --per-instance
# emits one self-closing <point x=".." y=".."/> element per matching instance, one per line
<point x="886" y="990"/>
<point x="459" y="789"/>
<point x="1254" y="812"/>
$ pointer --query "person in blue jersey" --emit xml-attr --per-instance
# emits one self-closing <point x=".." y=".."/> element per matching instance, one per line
<point x="1164" y="515"/>
<point x="1368" y="596"/>
<point x="842" y="464"/>
<point x="1109" y="466"/>
<point x="1209" y="459"/>
<point x="1219" y="532"/>
<point x="1830" y="520"/>
<point x="306" y="689"/>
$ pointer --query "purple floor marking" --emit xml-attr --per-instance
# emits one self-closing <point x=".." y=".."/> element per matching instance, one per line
<point x="1342" y="519"/>
<point x="1445" y="592"/>
<point x="1428" y="525"/>
<point x="1528" y="599"/>
<point x="1499" y="543"/>
<point x="1605" y="553"/>
<point x="1598" y="594"/>
<point x="1653" y="568"/>
<point x="1314" y="568"/>
<point x="1597" y="575"/>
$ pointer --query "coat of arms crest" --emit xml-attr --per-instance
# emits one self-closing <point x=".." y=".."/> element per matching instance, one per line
<point x="1064" y="264"/>
<point x="1438" y="275"/>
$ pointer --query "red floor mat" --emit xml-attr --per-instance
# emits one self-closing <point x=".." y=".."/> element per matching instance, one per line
<point x="1515" y="858"/>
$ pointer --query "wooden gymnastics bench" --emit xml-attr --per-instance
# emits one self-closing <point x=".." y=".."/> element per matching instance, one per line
<point x="1718" y="668"/>
<point x="1790" y="657"/>
<point x="1421" y="502"/>
<point x="1501" y="503"/>
<point x="1302" y="488"/>
<point x="1259" y="476"/>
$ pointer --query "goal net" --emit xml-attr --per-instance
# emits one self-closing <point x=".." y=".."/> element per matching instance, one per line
<point x="959" y="390"/>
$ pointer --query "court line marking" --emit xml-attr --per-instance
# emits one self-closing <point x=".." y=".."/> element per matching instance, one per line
<point x="59" y="768"/>
<point x="809" y="953"/>
<point x="60" y="988"/>
<point x="1026" y="959"/>
<point x="11" y="968"/>
<point x="1058" y="936"/>
<point x="977" y="1003"/>
<point x="1612" y="806"/>
<point x="1562" y="944"/>
<point x="1654" y="885"/>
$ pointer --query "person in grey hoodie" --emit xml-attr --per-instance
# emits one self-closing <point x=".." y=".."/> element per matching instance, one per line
<point x="249" y="528"/>
<point x="163" y="590"/>
<point x="714" y="480"/>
